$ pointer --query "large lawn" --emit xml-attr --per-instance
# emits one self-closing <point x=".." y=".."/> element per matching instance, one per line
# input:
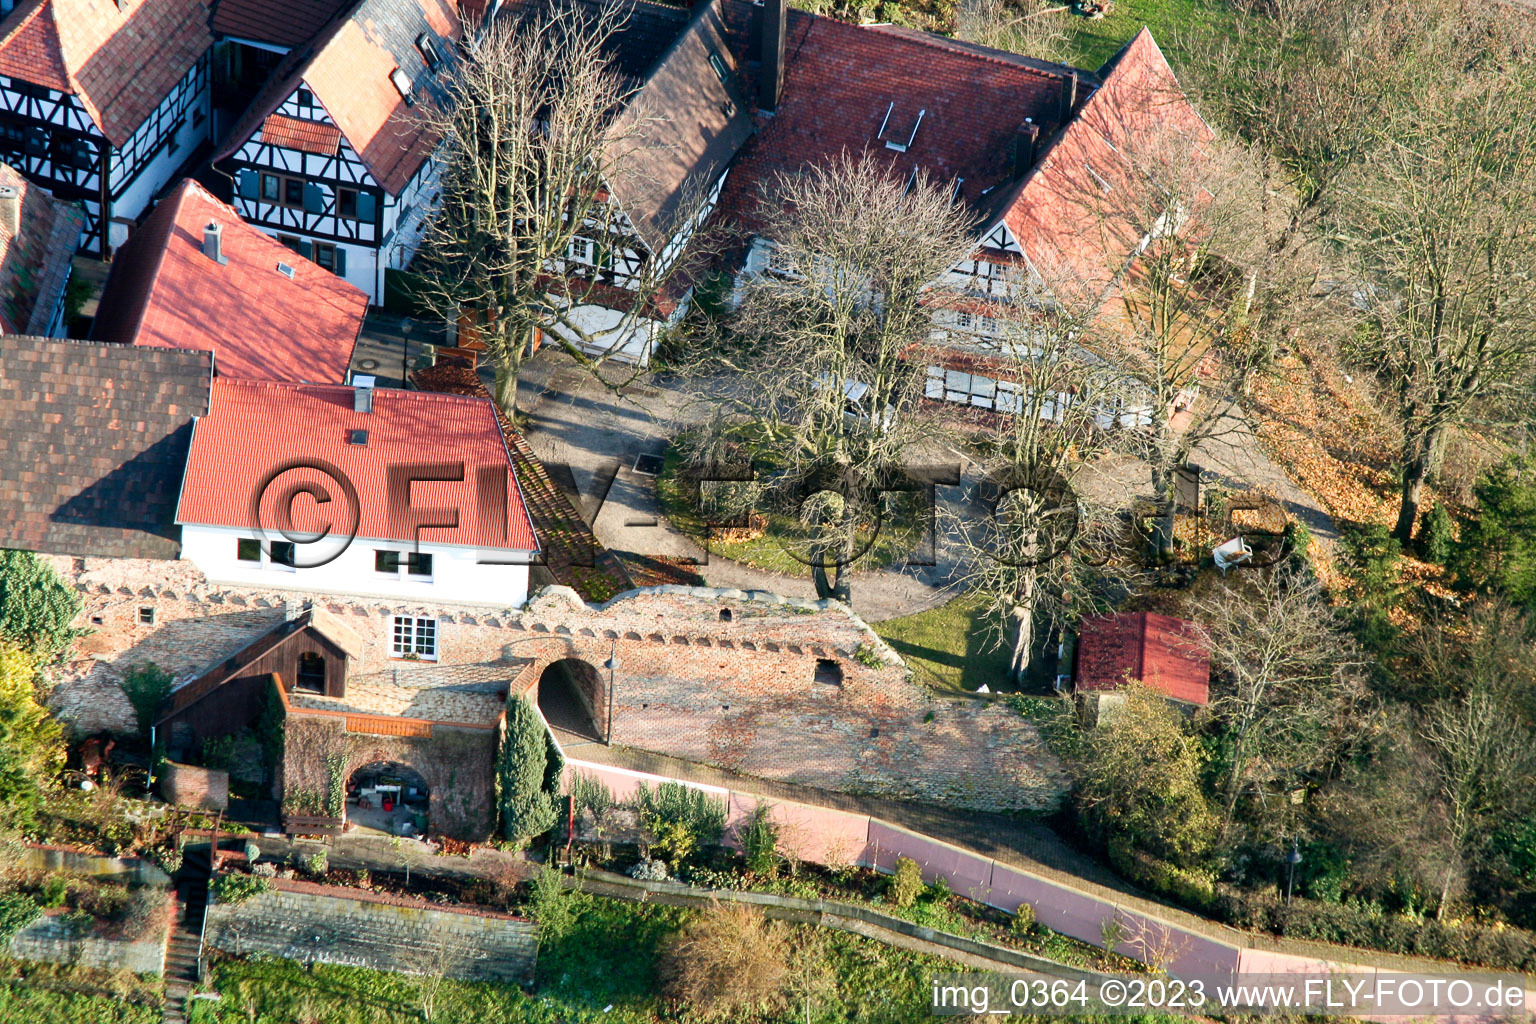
<point x="948" y="646"/>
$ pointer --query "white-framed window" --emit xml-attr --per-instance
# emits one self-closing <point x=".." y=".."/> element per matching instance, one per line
<point x="778" y="263"/>
<point x="414" y="637"/>
<point x="403" y="565"/>
<point x="277" y="554"/>
<point x="581" y="250"/>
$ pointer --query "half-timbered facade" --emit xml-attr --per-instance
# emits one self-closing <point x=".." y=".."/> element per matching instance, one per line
<point x="1015" y="137"/>
<point x="330" y="160"/>
<point x="99" y="113"/>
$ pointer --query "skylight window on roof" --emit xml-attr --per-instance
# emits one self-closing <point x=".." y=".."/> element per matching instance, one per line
<point x="718" y="64"/>
<point x="285" y="270"/>
<point x="1099" y="179"/>
<point x="893" y="127"/>
<point x="402" y="84"/>
<point x="427" y="44"/>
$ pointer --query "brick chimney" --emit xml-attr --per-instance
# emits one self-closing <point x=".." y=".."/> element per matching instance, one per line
<point x="10" y="209"/>
<point x="1068" y="97"/>
<point x="213" y="243"/>
<point x="771" y="76"/>
<point x="1024" y="143"/>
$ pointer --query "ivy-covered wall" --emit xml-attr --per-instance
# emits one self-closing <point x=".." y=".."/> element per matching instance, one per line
<point x="319" y="756"/>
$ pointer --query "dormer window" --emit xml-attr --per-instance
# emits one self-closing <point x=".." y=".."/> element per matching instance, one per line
<point x="427" y="44"/>
<point x="402" y="84"/>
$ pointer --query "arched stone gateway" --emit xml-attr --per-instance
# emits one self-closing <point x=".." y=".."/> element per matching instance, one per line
<point x="389" y="797"/>
<point x="573" y="698"/>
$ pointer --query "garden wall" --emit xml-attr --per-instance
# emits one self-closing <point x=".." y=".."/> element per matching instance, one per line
<point x="336" y="925"/>
<point x="190" y="786"/>
<point x="51" y="940"/>
<point x="133" y="870"/>
<point x="1183" y="952"/>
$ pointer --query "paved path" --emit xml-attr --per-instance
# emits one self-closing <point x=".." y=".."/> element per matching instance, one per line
<point x="590" y="437"/>
<point x="1012" y="840"/>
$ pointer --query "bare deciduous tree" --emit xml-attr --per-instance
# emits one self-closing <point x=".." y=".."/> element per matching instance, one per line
<point x="1483" y="760"/>
<point x="1026" y="556"/>
<point x="825" y="399"/>
<point x="1174" y="220"/>
<point x="1435" y="226"/>
<point x="1288" y="675"/>
<point x="537" y="127"/>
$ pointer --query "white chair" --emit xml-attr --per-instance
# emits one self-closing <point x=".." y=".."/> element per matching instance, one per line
<point x="1234" y="552"/>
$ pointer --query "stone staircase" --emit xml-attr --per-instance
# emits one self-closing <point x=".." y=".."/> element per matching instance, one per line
<point x="181" y="950"/>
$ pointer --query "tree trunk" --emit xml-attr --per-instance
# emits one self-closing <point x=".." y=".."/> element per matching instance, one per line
<point x="1418" y="463"/>
<point x="1021" y="631"/>
<point x="1162" y="534"/>
<point x="506" y="388"/>
<point x="1021" y="628"/>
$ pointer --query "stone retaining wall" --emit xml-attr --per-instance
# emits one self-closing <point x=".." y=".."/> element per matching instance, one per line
<point x="50" y="940"/>
<point x="335" y="925"/>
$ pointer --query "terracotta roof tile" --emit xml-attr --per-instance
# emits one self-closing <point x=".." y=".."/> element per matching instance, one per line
<point x="1158" y="650"/>
<point x="254" y="428"/>
<point x="348" y="70"/>
<point x="261" y="325"/>
<point x="93" y="440"/>
<point x="842" y="83"/>
<point x="297" y="133"/>
<point x="35" y="262"/>
<point x="120" y="60"/>
<point x="286" y="23"/>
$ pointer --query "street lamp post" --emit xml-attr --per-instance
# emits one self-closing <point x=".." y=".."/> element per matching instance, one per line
<point x="1293" y="858"/>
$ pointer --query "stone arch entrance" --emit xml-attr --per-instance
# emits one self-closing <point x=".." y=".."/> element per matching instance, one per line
<point x="573" y="697"/>
<point x="388" y="797"/>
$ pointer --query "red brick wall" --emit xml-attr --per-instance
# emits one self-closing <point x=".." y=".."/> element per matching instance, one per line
<point x="738" y="694"/>
<point x="189" y="786"/>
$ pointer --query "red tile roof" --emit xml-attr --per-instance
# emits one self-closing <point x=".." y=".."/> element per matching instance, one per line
<point x="254" y="428"/>
<point x="258" y="323"/>
<point x="1158" y="650"/>
<point x="348" y="70"/>
<point x="1047" y="214"/>
<point x="285" y="23"/>
<point x="35" y="262"/>
<point x="842" y="82"/>
<point x="297" y="133"/>
<point x="120" y="59"/>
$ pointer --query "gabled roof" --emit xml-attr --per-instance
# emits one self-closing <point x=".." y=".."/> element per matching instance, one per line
<point x="348" y="68"/>
<point x="285" y="23"/>
<point x="255" y="428"/>
<point x="685" y="123"/>
<point x="93" y="439"/>
<point x="844" y="83"/>
<point x="260" y="324"/>
<point x="1158" y="650"/>
<point x="120" y="59"/>
<point x="35" y="262"/>
<point x="1046" y="211"/>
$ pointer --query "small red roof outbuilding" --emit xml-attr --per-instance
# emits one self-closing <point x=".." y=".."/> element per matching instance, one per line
<point x="1158" y="650"/>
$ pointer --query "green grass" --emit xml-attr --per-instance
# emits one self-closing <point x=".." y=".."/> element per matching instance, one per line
<point x="609" y="959"/>
<point x="1171" y="21"/>
<point x="24" y="1004"/>
<point x="949" y="645"/>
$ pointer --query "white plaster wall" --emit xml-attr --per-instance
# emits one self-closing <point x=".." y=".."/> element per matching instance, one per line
<point x="458" y="574"/>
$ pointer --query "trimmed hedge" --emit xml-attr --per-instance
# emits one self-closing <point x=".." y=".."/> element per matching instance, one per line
<point x="1194" y="889"/>
<point x="1348" y="924"/>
